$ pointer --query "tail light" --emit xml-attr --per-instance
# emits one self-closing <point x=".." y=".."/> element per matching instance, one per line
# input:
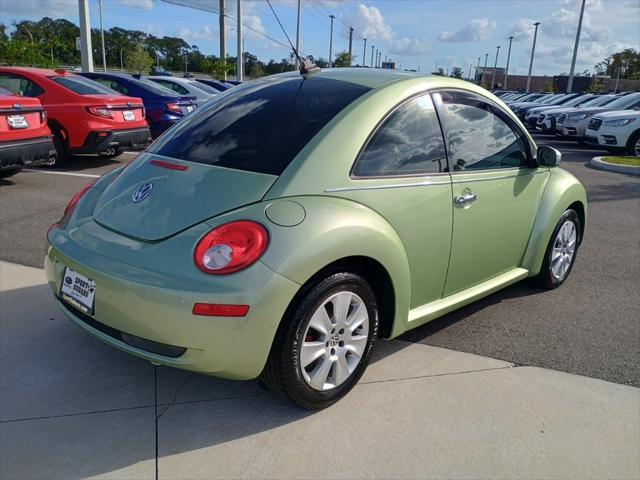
<point x="231" y="247"/>
<point x="76" y="198"/>
<point x="174" y="107"/>
<point x="100" y="112"/>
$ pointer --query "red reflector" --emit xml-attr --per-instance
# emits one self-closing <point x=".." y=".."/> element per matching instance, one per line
<point x="169" y="165"/>
<point x="217" y="310"/>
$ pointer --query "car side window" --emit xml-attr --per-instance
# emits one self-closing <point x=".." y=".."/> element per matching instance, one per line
<point x="407" y="142"/>
<point x="480" y="136"/>
<point x="112" y="84"/>
<point x="19" y="85"/>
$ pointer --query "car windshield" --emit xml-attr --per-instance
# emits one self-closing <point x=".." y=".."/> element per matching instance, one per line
<point x="260" y="126"/>
<point x="625" y="102"/>
<point x="83" y="86"/>
<point x="559" y="99"/>
<point x="599" y="101"/>
<point x="205" y="88"/>
<point x="581" y="100"/>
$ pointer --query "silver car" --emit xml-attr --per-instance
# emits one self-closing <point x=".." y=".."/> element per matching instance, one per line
<point x="185" y="86"/>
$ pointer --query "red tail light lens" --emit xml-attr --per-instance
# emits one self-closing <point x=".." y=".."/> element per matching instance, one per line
<point x="218" y="310"/>
<point x="103" y="112"/>
<point x="231" y="247"/>
<point x="174" y="107"/>
<point x="76" y="198"/>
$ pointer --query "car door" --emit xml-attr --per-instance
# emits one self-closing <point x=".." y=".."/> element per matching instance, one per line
<point x="496" y="188"/>
<point x="401" y="173"/>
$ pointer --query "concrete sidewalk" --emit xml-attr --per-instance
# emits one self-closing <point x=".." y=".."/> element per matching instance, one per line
<point x="72" y="407"/>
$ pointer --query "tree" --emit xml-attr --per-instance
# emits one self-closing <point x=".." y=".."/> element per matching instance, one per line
<point x="342" y="60"/>
<point x="628" y="59"/>
<point x="138" y="59"/>
<point x="439" y="71"/>
<point x="456" y="72"/>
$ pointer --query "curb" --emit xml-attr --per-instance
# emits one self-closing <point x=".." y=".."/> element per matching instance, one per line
<point x="597" y="162"/>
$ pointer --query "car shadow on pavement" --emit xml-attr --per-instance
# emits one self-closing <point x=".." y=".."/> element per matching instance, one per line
<point x="79" y="163"/>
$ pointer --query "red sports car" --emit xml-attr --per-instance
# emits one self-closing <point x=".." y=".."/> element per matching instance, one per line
<point x="25" y="138"/>
<point x="84" y="116"/>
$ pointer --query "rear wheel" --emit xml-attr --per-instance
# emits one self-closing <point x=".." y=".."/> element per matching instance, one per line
<point x="561" y="251"/>
<point x="323" y="348"/>
<point x="61" y="147"/>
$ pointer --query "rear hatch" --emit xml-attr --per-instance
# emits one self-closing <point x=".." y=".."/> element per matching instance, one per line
<point x="178" y="195"/>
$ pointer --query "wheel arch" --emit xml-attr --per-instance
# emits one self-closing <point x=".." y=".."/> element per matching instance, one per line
<point x="563" y="191"/>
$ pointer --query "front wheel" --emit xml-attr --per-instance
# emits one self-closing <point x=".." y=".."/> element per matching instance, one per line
<point x="633" y="147"/>
<point x="323" y="348"/>
<point x="561" y="251"/>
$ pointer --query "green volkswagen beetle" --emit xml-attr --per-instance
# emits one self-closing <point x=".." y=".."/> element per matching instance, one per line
<point x="288" y="223"/>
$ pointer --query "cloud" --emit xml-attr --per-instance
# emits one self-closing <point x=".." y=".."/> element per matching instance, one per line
<point x="522" y="29"/>
<point x="408" y="46"/>
<point x="36" y="8"/>
<point x="476" y="30"/>
<point x="143" y="4"/>
<point x="563" y="24"/>
<point x="204" y="33"/>
<point x="368" y="22"/>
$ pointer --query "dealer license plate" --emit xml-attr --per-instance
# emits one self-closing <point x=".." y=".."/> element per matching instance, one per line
<point x="189" y="109"/>
<point x="17" y="121"/>
<point x="128" y="115"/>
<point x="78" y="290"/>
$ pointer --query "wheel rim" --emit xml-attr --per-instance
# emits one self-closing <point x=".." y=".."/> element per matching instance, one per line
<point x="636" y="148"/>
<point x="334" y="341"/>
<point x="564" y="248"/>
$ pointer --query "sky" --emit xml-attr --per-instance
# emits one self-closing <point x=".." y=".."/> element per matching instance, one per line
<point x="416" y="34"/>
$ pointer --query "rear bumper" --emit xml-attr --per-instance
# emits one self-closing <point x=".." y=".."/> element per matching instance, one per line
<point x="148" y="313"/>
<point x="96" y="142"/>
<point x="17" y="154"/>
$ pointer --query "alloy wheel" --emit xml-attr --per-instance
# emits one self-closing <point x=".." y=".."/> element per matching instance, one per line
<point x="334" y="341"/>
<point x="564" y="248"/>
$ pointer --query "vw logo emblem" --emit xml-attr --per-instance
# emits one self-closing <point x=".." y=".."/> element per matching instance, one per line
<point x="141" y="192"/>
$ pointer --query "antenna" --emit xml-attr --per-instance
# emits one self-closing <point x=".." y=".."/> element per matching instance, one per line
<point x="306" y="66"/>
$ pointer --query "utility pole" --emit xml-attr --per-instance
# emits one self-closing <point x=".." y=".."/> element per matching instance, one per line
<point x="495" y="66"/>
<point x="239" y="64"/>
<point x="506" y="71"/>
<point x="104" y="53"/>
<point x="86" y="52"/>
<point x="331" y="42"/>
<point x="533" y="51"/>
<point x="223" y="40"/>
<point x="350" y="43"/>
<point x="364" y="52"/>
<point x="575" y="49"/>
<point x="372" y="46"/>
<point x="475" y="80"/>
<point x="297" y="37"/>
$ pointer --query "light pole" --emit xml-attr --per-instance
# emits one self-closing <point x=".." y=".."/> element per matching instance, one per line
<point x="372" y="47"/>
<point x="297" y="38"/>
<point x="506" y="71"/>
<point x="575" y="49"/>
<point x="104" y="53"/>
<point x="121" y="62"/>
<point x="376" y="64"/>
<point x="470" y="70"/>
<point x="533" y="51"/>
<point x="364" y="52"/>
<point x="86" y="51"/>
<point x="239" y="64"/>
<point x="495" y="66"/>
<point x="331" y="41"/>
<point x="622" y="65"/>
<point x="157" y="58"/>
<point x="477" y="68"/>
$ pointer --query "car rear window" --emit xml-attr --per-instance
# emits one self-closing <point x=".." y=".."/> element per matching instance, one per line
<point x="205" y="88"/>
<point x="260" y="126"/>
<point x="83" y="86"/>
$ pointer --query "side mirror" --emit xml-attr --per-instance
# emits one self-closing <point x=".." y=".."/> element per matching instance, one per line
<point x="549" y="156"/>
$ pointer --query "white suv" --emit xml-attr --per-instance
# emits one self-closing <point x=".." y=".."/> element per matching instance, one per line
<point x="618" y="131"/>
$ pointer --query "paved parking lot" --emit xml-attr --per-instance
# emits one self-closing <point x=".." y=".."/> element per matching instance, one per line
<point x="588" y="327"/>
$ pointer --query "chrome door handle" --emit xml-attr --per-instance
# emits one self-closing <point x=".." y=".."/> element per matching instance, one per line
<point x="464" y="199"/>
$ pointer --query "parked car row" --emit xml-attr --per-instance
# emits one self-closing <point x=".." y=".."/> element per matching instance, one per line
<point x="48" y="115"/>
<point x="611" y="121"/>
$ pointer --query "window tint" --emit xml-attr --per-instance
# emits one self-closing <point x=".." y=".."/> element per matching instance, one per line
<point x="20" y="85"/>
<point x="82" y="86"/>
<point x="259" y="126"/>
<point x="408" y="142"/>
<point x="112" y="84"/>
<point x="479" y="135"/>
<point x="173" y="86"/>
<point x="205" y="88"/>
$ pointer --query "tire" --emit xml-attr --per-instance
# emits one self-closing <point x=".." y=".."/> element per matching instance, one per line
<point x="633" y="145"/>
<point x="61" y="147"/>
<point x="336" y="368"/>
<point x="10" y="172"/>
<point x="553" y="274"/>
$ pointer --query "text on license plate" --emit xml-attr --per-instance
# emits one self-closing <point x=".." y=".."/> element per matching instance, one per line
<point x="189" y="109"/>
<point x="17" y="121"/>
<point x="78" y="290"/>
<point x="128" y="115"/>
